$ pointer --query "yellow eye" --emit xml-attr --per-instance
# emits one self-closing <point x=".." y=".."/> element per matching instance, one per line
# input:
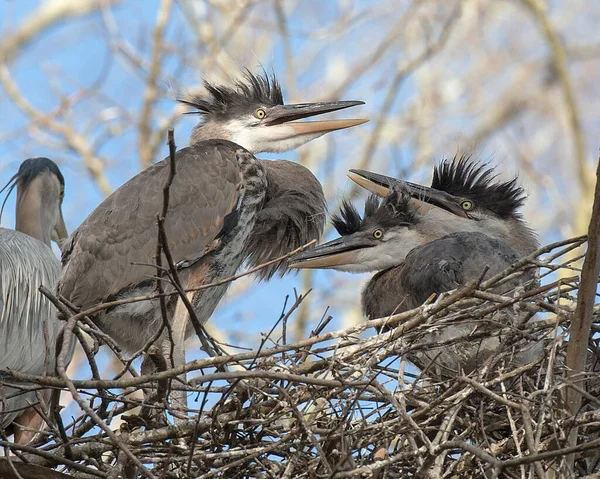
<point x="260" y="113"/>
<point x="377" y="234"/>
<point x="467" y="205"/>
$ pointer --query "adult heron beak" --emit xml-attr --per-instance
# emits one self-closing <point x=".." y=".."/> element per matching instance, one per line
<point x="60" y="234"/>
<point x="423" y="197"/>
<point x="338" y="252"/>
<point x="280" y="114"/>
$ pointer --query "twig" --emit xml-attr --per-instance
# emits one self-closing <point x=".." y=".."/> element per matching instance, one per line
<point x="76" y="141"/>
<point x="560" y="63"/>
<point x="60" y="366"/>
<point x="161" y="243"/>
<point x="137" y="299"/>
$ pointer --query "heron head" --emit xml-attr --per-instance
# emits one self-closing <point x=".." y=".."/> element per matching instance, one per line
<point x="467" y="196"/>
<point x="40" y="191"/>
<point x="380" y="239"/>
<point x="252" y="114"/>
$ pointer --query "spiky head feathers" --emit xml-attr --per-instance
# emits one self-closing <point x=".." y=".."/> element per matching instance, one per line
<point x="465" y="178"/>
<point x="241" y="97"/>
<point x="395" y="209"/>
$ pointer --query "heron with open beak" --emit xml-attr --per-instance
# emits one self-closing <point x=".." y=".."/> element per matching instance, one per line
<point x="226" y="206"/>
<point x="428" y="240"/>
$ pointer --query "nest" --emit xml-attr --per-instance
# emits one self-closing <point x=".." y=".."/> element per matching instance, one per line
<point x="347" y="403"/>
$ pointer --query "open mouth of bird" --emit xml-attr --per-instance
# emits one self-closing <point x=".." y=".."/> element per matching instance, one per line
<point x="333" y="253"/>
<point x="289" y="114"/>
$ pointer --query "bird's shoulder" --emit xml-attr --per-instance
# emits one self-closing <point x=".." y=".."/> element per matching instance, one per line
<point x="436" y="265"/>
<point x="384" y="294"/>
<point x="98" y="259"/>
<point x="288" y="175"/>
<point x="448" y="262"/>
<point x="213" y="160"/>
<point x="293" y="214"/>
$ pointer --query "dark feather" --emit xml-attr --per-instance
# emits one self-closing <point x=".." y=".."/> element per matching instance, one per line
<point x="465" y="178"/>
<point x="293" y="215"/>
<point x="244" y="95"/>
<point x="394" y="210"/>
<point x="33" y="167"/>
<point x="371" y="206"/>
<point x="348" y="221"/>
<point x="29" y="170"/>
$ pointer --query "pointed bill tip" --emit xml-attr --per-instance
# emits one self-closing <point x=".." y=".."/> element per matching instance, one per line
<point x="367" y="184"/>
<point x="350" y="103"/>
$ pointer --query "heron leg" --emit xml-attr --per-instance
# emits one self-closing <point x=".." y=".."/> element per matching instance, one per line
<point x="29" y="423"/>
<point x="178" y="327"/>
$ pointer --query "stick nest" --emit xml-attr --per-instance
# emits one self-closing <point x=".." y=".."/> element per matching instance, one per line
<point x="347" y="403"/>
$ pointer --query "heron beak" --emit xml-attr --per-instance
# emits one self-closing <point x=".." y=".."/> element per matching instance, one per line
<point x="423" y="197"/>
<point x="333" y="254"/>
<point x="380" y="189"/>
<point x="60" y="234"/>
<point x="280" y="114"/>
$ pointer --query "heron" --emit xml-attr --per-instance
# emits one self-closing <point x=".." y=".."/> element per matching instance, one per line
<point x="226" y="207"/>
<point x="428" y="240"/>
<point x="465" y="195"/>
<point x="28" y="323"/>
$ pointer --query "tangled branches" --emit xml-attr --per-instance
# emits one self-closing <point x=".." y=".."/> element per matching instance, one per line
<point x="346" y="404"/>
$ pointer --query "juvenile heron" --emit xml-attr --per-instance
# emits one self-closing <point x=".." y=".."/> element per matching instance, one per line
<point x="467" y="197"/>
<point x="225" y="206"/>
<point x="430" y="240"/>
<point x="28" y="323"/>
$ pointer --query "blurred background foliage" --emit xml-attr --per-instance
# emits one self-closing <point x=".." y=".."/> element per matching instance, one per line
<point x="92" y="85"/>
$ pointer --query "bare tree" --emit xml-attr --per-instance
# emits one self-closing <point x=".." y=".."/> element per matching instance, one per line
<point x="92" y="84"/>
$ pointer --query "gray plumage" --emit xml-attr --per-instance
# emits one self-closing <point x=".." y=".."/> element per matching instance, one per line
<point x="226" y="206"/>
<point x="438" y="267"/>
<point x="111" y="254"/>
<point x="25" y="314"/>
<point x="430" y="240"/>
<point x="28" y="322"/>
<point x="293" y="214"/>
<point x="290" y="215"/>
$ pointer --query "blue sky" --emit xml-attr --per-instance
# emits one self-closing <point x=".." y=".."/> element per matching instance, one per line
<point x="73" y="56"/>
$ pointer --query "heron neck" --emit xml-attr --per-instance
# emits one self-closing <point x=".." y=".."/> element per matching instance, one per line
<point x="209" y="131"/>
<point x="30" y="218"/>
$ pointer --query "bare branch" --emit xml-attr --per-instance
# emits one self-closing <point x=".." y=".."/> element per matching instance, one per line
<point x="50" y="13"/>
<point x="581" y="325"/>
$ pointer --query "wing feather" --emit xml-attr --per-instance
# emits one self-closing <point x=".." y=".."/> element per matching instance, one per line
<point x="105" y="252"/>
<point x="293" y="214"/>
